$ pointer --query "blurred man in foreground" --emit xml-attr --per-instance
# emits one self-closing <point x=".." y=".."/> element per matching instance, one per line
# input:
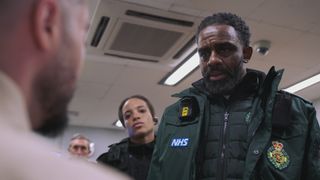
<point x="41" y="52"/>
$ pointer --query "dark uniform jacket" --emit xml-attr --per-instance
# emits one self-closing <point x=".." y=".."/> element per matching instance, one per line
<point x="132" y="159"/>
<point x="283" y="135"/>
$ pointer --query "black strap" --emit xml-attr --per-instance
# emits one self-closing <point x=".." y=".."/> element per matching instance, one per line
<point x="281" y="116"/>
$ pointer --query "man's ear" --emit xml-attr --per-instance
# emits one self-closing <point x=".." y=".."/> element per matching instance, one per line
<point x="247" y="53"/>
<point x="46" y="23"/>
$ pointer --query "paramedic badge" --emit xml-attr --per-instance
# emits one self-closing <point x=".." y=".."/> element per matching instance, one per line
<point x="278" y="156"/>
<point x="188" y="109"/>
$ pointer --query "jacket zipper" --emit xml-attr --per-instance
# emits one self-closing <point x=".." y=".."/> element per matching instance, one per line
<point x="224" y="139"/>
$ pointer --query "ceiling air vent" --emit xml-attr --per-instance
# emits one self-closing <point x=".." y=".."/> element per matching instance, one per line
<point x="99" y="31"/>
<point x="144" y="40"/>
<point x="159" y="18"/>
<point x="132" y="32"/>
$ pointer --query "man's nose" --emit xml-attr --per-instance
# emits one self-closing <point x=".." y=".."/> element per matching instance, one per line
<point x="79" y="151"/>
<point x="214" y="58"/>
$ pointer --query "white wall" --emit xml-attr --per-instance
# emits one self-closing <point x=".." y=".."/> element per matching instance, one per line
<point x="102" y="138"/>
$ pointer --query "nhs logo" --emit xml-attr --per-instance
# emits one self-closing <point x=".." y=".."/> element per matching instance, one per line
<point x="179" y="142"/>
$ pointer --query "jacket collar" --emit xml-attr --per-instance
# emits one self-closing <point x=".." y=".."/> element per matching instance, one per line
<point x="249" y="84"/>
<point x="263" y="82"/>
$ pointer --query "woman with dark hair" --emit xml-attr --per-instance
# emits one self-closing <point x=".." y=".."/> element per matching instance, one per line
<point x="132" y="155"/>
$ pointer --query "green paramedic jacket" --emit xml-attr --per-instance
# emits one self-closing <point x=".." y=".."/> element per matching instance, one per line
<point x="288" y="154"/>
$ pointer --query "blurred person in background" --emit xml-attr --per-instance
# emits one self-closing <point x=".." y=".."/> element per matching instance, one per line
<point x="80" y="146"/>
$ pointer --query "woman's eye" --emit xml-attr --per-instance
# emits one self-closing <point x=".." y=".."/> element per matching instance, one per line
<point x="142" y="110"/>
<point x="126" y="116"/>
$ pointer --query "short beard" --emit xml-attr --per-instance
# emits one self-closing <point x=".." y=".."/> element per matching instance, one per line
<point x="53" y="125"/>
<point x="53" y="96"/>
<point x="53" y="100"/>
<point x="224" y="86"/>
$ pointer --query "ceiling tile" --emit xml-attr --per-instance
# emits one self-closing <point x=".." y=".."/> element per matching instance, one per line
<point x="100" y="72"/>
<point x="212" y="6"/>
<point x="297" y="14"/>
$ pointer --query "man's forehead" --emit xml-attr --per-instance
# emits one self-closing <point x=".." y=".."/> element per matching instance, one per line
<point x="79" y="141"/>
<point x="218" y="32"/>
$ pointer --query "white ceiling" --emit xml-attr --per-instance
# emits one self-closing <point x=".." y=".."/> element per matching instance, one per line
<point x="293" y="27"/>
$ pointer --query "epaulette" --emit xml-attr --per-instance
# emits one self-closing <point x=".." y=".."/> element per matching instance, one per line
<point x="296" y="96"/>
<point x="281" y="115"/>
<point x="115" y="150"/>
<point x="114" y="154"/>
<point x="121" y="143"/>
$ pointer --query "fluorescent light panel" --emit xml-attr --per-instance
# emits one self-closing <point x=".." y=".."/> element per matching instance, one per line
<point x="303" y="84"/>
<point x="188" y="66"/>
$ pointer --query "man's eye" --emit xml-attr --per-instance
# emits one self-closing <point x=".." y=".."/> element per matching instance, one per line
<point x="225" y="50"/>
<point x="76" y="147"/>
<point x="142" y="110"/>
<point x="204" y="53"/>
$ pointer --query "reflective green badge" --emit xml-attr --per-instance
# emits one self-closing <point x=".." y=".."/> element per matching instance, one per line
<point x="278" y="156"/>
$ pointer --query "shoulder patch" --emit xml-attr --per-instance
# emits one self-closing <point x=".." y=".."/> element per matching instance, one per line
<point x="277" y="156"/>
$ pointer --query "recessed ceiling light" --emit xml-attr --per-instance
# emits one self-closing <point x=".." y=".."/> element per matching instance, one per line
<point x="182" y="70"/>
<point x="303" y="84"/>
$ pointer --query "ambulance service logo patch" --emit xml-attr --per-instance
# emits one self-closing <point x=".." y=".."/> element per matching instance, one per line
<point x="278" y="156"/>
